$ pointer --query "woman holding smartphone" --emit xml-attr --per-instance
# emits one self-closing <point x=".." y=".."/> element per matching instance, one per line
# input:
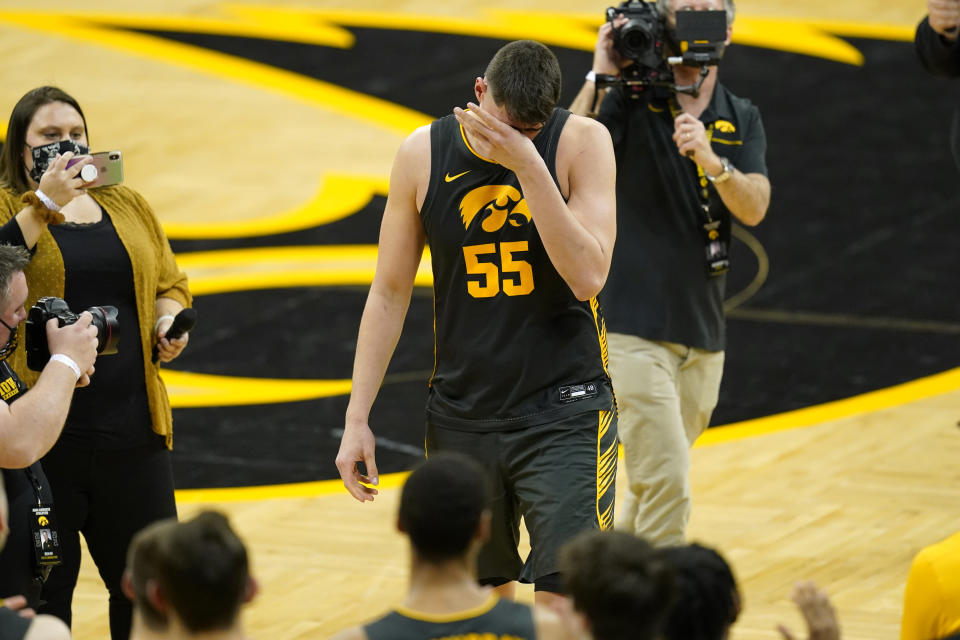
<point x="110" y="471"/>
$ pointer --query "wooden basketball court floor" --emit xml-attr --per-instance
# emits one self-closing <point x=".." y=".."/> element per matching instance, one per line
<point x="844" y="494"/>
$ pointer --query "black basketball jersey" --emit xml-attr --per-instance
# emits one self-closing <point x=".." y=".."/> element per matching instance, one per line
<point x="495" y="619"/>
<point x="513" y="345"/>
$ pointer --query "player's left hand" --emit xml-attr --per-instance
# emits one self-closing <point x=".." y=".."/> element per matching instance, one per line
<point x="494" y="139"/>
<point x="690" y="137"/>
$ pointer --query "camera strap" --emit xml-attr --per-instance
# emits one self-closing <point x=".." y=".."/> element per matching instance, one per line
<point x="716" y="234"/>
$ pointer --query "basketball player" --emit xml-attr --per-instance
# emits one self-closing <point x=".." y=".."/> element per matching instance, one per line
<point x="516" y="200"/>
<point x="444" y="512"/>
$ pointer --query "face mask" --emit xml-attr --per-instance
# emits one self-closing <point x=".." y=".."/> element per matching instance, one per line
<point x="46" y="154"/>
<point x="11" y="345"/>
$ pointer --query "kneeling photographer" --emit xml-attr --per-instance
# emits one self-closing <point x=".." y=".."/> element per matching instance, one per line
<point x="689" y="154"/>
<point x="30" y="423"/>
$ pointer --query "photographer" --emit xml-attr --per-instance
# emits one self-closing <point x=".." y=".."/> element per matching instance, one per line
<point x="31" y="421"/>
<point x="937" y="42"/>
<point x="685" y="163"/>
<point x="110" y="471"/>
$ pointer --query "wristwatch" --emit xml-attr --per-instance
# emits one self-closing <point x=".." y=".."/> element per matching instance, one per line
<point x="724" y="175"/>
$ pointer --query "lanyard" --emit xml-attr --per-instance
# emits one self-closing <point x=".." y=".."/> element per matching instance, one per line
<point x="702" y="191"/>
<point x="716" y="234"/>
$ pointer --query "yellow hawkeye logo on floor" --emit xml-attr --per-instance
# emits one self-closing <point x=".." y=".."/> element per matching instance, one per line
<point x="450" y="178"/>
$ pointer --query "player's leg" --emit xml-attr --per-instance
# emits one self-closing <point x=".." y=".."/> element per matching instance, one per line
<point x="498" y="563"/>
<point x="564" y="476"/>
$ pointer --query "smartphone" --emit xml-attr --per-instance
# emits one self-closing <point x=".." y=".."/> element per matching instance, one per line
<point x="109" y="169"/>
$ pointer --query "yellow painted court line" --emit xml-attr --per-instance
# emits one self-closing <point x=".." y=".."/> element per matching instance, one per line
<point x="212" y="272"/>
<point x="866" y="403"/>
<point x="895" y="396"/>
<point x="339" y="196"/>
<point x="270" y="492"/>
<point x="351" y="104"/>
<point x="192" y="390"/>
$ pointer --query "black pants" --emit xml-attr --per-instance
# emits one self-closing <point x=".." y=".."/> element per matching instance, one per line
<point x="108" y="496"/>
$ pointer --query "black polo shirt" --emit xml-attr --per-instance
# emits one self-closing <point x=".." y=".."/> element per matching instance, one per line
<point x="658" y="287"/>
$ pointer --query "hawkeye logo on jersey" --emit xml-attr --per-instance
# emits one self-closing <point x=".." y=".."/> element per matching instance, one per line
<point x="498" y="204"/>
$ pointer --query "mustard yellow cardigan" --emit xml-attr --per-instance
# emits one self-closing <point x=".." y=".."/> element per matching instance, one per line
<point x="155" y="275"/>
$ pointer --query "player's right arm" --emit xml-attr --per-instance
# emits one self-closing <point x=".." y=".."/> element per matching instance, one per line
<point x="400" y="248"/>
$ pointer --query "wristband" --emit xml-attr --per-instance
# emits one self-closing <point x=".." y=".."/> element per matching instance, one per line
<point x="156" y="324"/>
<point x="67" y="360"/>
<point x="47" y="201"/>
<point x="591" y="76"/>
<point x="45" y="213"/>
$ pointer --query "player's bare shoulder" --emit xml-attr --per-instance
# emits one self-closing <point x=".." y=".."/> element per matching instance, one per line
<point x="411" y="166"/>
<point x="414" y="149"/>
<point x="584" y="144"/>
<point x="588" y="131"/>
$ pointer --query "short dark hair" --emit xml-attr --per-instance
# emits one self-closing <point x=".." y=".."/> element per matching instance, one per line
<point x="441" y="505"/>
<point x="13" y="174"/>
<point x="708" y="601"/>
<point x="619" y="583"/>
<point x="200" y="567"/>
<point x="12" y="261"/>
<point x="524" y="78"/>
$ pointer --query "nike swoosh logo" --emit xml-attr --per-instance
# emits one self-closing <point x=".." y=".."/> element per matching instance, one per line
<point x="450" y="178"/>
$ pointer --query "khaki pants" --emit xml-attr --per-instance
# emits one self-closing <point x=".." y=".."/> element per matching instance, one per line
<point x="665" y="394"/>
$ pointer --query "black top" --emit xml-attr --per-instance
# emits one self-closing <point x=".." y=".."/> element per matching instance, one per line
<point x="112" y="412"/>
<point x="513" y="345"/>
<point x="658" y="287"/>
<point x="940" y="56"/>
<point x="11" y="234"/>
<point x="17" y="562"/>
<point x="499" y="618"/>
<point x="12" y="626"/>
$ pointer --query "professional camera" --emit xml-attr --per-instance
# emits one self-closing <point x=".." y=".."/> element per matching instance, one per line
<point x="38" y="352"/>
<point x="641" y="37"/>
<point x="697" y="42"/>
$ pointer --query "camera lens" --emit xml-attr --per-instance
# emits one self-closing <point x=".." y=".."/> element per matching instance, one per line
<point x="105" y="320"/>
<point x="635" y="39"/>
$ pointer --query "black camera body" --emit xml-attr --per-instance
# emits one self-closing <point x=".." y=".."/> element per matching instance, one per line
<point x="641" y="37"/>
<point x="699" y="41"/>
<point x="38" y="351"/>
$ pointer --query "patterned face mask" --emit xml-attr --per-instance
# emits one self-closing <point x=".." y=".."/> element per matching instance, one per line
<point x="11" y="345"/>
<point x="46" y="154"/>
